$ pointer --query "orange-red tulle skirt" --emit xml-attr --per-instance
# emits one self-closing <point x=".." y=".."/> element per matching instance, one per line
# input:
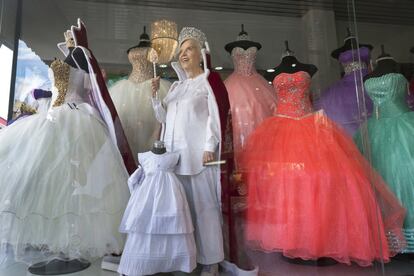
<point x="311" y="194"/>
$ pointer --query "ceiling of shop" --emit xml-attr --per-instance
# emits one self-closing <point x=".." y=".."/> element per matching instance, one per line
<point x="375" y="11"/>
<point x="313" y="28"/>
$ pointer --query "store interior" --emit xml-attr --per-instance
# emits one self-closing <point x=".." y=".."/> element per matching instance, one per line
<point x="311" y="29"/>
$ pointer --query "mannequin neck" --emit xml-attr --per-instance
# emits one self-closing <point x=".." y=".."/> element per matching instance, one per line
<point x="158" y="150"/>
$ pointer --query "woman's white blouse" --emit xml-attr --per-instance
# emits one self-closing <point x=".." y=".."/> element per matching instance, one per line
<point x="190" y="129"/>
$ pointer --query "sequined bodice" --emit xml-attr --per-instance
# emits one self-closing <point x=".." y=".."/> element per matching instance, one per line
<point x="388" y="92"/>
<point x="244" y="60"/>
<point x="292" y="93"/>
<point x="355" y="60"/>
<point x="69" y="83"/>
<point x="142" y="69"/>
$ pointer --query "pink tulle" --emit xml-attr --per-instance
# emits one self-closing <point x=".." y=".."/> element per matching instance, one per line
<point x="252" y="100"/>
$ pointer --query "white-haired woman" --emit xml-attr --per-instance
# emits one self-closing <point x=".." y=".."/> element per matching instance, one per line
<point x="192" y="128"/>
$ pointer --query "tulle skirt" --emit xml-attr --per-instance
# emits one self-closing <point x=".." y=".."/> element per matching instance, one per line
<point x="134" y="107"/>
<point x="252" y="100"/>
<point x="312" y="194"/>
<point x="63" y="187"/>
<point x="392" y="155"/>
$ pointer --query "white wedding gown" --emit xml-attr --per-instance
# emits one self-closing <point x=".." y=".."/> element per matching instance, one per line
<point x="63" y="182"/>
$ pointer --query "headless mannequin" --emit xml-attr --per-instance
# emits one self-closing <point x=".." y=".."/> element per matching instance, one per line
<point x="65" y="266"/>
<point x="158" y="147"/>
<point x="78" y="55"/>
<point x="291" y="65"/>
<point x="350" y="43"/>
<point x="385" y="65"/>
<point x="242" y="42"/>
<point x="142" y="68"/>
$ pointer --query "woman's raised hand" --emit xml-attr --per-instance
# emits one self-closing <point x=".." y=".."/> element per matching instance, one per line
<point x="155" y="85"/>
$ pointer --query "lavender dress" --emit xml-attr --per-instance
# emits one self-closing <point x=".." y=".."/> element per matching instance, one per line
<point x="341" y="101"/>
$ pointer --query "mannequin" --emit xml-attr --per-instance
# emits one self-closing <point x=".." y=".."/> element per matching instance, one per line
<point x="81" y="146"/>
<point x="132" y="98"/>
<point x="290" y="65"/>
<point x="345" y="101"/>
<point x="385" y="64"/>
<point x="159" y="147"/>
<point x="79" y="57"/>
<point x="142" y="68"/>
<point x="157" y="219"/>
<point x="389" y="133"/>
<point x="251" y="97"/>
<point x="297" y="161"/>
<point x="350" y="43"/>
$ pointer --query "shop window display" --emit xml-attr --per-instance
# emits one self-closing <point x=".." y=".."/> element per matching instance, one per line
<point x="149" y="149"/>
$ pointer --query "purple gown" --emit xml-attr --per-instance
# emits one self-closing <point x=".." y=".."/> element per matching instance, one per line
<point x="341" y="101"/>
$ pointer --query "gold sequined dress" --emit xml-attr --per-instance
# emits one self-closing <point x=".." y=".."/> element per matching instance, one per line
<point x="63" y="182"/>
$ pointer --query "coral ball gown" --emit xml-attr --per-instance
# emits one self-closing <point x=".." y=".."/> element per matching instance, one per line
<point x="310" y="193"/>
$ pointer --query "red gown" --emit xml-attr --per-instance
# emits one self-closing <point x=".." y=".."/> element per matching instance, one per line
<point x="310" y="193"/>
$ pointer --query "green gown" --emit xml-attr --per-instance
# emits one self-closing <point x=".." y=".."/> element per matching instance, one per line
<point x="391" y="141"/>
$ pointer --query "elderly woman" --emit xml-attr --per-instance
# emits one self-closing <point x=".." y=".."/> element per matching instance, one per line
<point x="192" y="128"/>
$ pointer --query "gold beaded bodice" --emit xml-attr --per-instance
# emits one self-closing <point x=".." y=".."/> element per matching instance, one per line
<point x="61" y="73"/>
<point x="142" y="69"/>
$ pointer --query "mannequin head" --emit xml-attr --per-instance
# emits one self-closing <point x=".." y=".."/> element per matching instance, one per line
<point x="190" y="57"/>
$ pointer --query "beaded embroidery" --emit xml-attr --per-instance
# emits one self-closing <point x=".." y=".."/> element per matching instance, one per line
<point x="292" y="92"/>
<point x="61" y="72"/>
<point x="142" y="69"/>
<point x="244" y="60"/>
<point x="388" y="92"/>
<point x="354" y="66"/>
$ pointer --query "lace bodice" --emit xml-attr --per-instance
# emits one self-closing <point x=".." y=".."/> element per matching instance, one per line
<point x="292" y="93"/>
<point x="152" y="163"/>
<point x="244" y="60"/>
<point x="71" y="83"/>
<point x="142" y="69"/>
<point x="388" y="92"/>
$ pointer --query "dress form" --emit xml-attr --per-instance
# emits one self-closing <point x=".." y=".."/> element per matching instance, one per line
<point x="290" y="64"/>
<point x="345" y="101"/>
<point x="350" y="43"/>
<point x="132" y="98"/>
<point x="142" y="68"/>
<point x="251" y="97"/>
<point x="385" y="64"/>
<point x="69" y="118"/>
<point x="158" y="147"/>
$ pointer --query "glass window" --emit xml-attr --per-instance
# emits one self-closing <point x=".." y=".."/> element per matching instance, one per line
<point x="231" y="137"/>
